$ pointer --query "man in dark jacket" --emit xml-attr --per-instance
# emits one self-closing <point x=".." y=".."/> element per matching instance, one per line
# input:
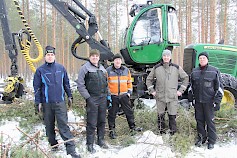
<point x="92" y="85"/>
<point x="205" y="92"/>
<point x="50" y="84"/>
<point x="166" y="76"/>
<point x="120" y="86"/>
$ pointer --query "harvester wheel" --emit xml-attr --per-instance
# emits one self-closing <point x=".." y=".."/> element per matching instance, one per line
<point x="229" y="99"/>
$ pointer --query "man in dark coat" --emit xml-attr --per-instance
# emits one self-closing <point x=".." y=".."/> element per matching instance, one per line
<point x="92" y="84"/>
<point x="50" y="84"/>
<point x="205" y="93"/>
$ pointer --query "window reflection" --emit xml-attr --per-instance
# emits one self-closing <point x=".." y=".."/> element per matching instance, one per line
<point x="147" y="29"/>
<point x="173" y="29"/>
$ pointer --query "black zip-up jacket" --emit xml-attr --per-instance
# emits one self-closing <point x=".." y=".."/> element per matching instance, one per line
<point x="50" y="83"/>
<point x="92" y="80"/>
<point x="206" y="86"/>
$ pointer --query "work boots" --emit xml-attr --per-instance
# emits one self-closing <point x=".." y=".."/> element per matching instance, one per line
<point x="112" y="134"/>
<point x="200" y="140"/>
<point x="161" y="123"/>
<point x="90" y="148"/>
<point x="89" y="143"/>
<point x="75" y="155"/>
<point x="172" y="124"/>
<point x="134" y="130"/>
<point x="102" y="143"/>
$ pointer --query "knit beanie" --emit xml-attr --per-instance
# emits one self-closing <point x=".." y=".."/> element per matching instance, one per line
<point x="204" y="53"/>
<point x="166" y="52"/>
<point x="49" y="49"/>
<point x="117" y="56"/>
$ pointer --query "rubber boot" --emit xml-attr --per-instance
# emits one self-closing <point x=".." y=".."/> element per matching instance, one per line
<point x="172" y="124"/>
<point x="161" y="123"/>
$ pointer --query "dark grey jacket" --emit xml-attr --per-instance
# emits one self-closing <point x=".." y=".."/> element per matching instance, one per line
<point x="92" y="80"/>
<point x="206" y="86"/>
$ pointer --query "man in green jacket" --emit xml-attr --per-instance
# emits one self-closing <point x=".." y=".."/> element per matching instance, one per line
<point x="166" y="76"/>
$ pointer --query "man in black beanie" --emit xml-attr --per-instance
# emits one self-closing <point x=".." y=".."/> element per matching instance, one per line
<point x="49" y="49"/>
<point x="204" y="54"/>
<point x="50" y="84"/>
<point x="205" y="93"/>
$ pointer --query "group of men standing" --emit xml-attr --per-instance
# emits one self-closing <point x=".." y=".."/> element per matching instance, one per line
<point x="98" y="86"/>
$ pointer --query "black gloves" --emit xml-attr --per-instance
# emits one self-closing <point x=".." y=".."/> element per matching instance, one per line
<point x="70" y="101"/>
<point x="38" y="108"/>
<point x="216" y="106"/>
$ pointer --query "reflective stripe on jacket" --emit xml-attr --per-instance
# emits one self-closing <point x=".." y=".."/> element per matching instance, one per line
<point x="50" y="83"/>
<point x="120" y="80"/>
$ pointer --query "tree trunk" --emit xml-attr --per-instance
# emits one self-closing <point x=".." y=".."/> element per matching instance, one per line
<point x="54" y="26"/>
<point x="212" y="21"/>
<point x="109" y="22"/>
<point x="203" y="22"/>
<point x="225" y="21"/>
<point x="45" y="25"/>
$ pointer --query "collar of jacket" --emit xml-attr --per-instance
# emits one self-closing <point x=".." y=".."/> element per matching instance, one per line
<point x="94" y="65"/>
<point x="49" y="64"/>
<point x="162" y="62"/>
<point x="205" y="67"/>
<point x="122" y="67"/>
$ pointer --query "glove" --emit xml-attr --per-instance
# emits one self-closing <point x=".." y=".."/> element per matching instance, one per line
<point x="216" y="106"/>
<point x="38" y="108"/>
<point x="109" y="101"/>
<point x="70" y="101"/>
<point x="192" y="103"/>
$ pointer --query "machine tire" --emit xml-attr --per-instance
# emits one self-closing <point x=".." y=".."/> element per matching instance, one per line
<point x="230" y="84"/>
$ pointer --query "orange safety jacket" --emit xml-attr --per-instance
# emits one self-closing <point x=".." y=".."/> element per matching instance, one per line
<point x="119" y="80"/>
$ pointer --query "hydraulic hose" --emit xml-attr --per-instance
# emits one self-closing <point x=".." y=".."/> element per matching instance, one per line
<point x="26" y="43"/>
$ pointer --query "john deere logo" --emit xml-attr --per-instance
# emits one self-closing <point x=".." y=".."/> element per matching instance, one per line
<point x="221" y="48"/>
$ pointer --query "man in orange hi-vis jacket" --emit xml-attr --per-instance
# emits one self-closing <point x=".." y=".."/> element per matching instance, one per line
<point x="120" y="85"/>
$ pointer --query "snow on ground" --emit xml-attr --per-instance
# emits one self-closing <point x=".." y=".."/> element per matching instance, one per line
<point x="227" y="150"/>
<point x="148" y="145"/>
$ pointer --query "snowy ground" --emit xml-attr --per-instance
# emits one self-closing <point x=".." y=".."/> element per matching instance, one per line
<point x="148" y="145"/>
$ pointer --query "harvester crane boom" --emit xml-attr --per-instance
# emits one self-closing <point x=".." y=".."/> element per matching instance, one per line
<point x="9" y="39"/>
<point x="14" y="84"/>
<point x="77" y="20"/>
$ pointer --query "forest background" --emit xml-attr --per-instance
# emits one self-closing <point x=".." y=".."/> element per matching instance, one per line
<point x="200" y="21"/>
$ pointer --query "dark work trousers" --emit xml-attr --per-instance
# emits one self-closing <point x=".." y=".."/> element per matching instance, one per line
<point x="204" y="115"/>
<point x="125" y="103"/>
<point x="96" y="118"/>
<point x="58" y="112"/>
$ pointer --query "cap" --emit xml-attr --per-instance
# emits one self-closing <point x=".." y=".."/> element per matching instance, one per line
<point x="117" y="56"/>
<point x="205" y="54"/>
<point x="49" y="49"/>
<point x="93" y="52"/>
<point x="166" y="52"/>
